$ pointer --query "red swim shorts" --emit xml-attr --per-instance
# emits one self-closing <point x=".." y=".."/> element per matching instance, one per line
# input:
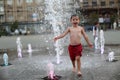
<point x="75" y="50"/>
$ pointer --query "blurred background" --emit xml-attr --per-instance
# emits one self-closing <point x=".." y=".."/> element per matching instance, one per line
<point x="25" y="17"/>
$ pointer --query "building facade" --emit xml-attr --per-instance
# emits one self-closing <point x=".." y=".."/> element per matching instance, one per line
<point x="103" y="8"/>
<point x="29" y="13"/>
<point x="2" y="11"/>
<point x="32" y="12"/>
<point x="23" y="10"/>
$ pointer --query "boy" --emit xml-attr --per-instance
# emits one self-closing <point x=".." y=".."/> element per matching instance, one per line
<point x="75" y="47"/>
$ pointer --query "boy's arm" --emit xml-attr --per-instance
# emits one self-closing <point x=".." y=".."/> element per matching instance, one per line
<point x="86" y="38"/>
<point x="63" y="34"/>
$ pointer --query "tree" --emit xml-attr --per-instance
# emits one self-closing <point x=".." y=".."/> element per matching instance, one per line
<point x="113" y="18"/>
<point x="14" y="26"/>
<point x="93" y="17"/>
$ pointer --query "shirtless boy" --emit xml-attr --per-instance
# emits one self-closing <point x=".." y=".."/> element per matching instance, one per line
<point x="75" y="48"/>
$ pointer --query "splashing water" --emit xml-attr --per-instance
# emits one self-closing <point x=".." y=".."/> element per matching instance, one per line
<point x="19" y="47"/>
<point x="56" y="16"/>
<point x="97" y="46"/>
<point x="30" y="49"/>
<point x="102" y="41"/>
<point x="51" y="73"/>
<point x="57" y="13"/>
<point x="5" y="59"/>
<point x="111" y="56"/>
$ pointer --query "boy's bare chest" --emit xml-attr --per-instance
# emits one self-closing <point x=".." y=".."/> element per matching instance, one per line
<point x="75" y="31"/>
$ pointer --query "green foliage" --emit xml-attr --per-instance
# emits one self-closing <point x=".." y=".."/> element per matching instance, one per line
<point x="3" y="31"/>
<point x="93" y="17"/>
<point x="113" y="17"/>
<point x="14" y="26"/>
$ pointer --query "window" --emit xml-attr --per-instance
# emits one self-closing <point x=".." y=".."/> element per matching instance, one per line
<point x="85" y="0"/>
<point x="20" y="16"/>
<point x="19" y="2"/>
<point x="9" y="2"/>
<point x="85" y="4"/>
<point x="94" y="3"/>
<point x="1" y="9"/>
<point x="29" y="8"/>
<point x="103" y="3"/>
<point x="81" y="0"/>
<point x="111" y="3"/>
<point x="1" y="2"/>
<point x="38" y="1"/>
<point x="10" y="17"/>
<point x="104" y="0"/>
<point x="94" y="0"/>
<point x="29" y="1"/>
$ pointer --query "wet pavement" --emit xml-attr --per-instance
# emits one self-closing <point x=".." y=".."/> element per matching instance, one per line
<point x="44" y="40"/>
<point x="34" y="67"/>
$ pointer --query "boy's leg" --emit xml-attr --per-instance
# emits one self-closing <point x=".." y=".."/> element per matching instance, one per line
<point x="72" y="57"/>
<point x="74" y="67"/>
<point x="78" y="64"/>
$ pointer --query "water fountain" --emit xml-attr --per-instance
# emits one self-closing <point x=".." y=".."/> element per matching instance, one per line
<point x="19" y="47"/>
<point x="30" y="50"/>
<point x="96" y="43"/>
<point x="102" y="41"/>
<point x="5" y="59"/>
<point x="111" y="56"/>
<point x="51" y="73"/>
<point x="56" y="15"/>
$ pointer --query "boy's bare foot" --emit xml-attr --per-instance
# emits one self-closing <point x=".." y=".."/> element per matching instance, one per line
<point x="79" y="74"/>
<point x="73" y="70"/>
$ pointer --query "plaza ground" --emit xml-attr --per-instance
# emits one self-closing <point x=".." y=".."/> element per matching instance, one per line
<point x="42" y="40"/>
<point x="34" y="67"/>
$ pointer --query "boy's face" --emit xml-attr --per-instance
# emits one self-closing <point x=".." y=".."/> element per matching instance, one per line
<point x="75" y="20"/>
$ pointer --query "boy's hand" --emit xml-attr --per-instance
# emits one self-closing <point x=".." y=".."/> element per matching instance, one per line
<point x="90" y="45"/>
<point x="55" y="39"/>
